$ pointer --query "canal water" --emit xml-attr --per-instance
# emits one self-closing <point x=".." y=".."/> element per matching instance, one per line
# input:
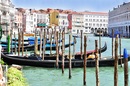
<point x="37" y="76"/>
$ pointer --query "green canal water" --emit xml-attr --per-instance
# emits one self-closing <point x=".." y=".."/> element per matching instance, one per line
<point x="37" y="76"/>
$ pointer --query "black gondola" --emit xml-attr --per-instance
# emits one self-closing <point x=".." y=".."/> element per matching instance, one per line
<point x="38" y="62"/>
<point x="50" y="60"/>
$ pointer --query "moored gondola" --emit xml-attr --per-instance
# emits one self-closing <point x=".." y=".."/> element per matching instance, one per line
<point x="38" y="62"/>
<point x="49" y="60"/>
<point x="31" y="47"/>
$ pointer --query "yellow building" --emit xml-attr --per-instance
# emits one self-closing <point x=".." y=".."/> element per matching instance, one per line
<point x="54" y="18"/>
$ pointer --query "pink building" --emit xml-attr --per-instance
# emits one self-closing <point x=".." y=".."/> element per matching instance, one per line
<point x="19" y="18"/>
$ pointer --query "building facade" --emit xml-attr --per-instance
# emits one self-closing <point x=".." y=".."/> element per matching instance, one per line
<point x="77" y="23"/>
<point x="89" y="22"/>
<point x="63" y="22"/>
<point x="94" y="21"/>
<point x="18" y="19"/>
<point x="7" y="11"/>
<point x="119" y="20"/>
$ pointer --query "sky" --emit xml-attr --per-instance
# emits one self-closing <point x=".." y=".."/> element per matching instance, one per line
<point x="76" y="5"/>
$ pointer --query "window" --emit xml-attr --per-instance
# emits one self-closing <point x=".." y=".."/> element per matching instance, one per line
<point x="73" y="30"/>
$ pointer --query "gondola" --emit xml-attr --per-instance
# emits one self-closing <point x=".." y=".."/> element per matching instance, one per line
<point x="38" y="62"/>
<point x="50" y="60"/>
<point x="13" y="43"/>
<point x="31" y="47"/>
<point x="104" y="48"/>
<point x="30" y="39"/>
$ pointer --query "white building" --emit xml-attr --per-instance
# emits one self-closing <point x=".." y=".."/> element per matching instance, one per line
<point x="77" y="23"/>
<point x="63" y="22"/>
<point x="33" y="17"/>
<point x="42" y="17"/>
<point x="7" y="11"/>
<point x="94" y="21"/>
<point x="29" y="20"/>
<point x="119" y="20"/>
<point x="89" y="22"/>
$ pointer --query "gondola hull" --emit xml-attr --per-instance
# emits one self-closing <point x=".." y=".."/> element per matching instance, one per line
<point x="76" y="63"/>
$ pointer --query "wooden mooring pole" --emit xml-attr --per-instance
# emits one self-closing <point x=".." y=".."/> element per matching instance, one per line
<point x="44" y="44"/>
<point x="100" y="44"/>
<point x="63" y="44"/>
<point x="36" y="45"/>
<point x="74" y="47"/>
<point x="81" y="43"/>
<point x="126" y="74"/>
<point x="85" y="61"/>
<point x="70" y="57"/>
<point x="97" y="63"/>
<point x="19" y="43"/>
<point x="57" y="51"/>
<point x="120" y="49"/>
<point x="41" y="42"/>
<point x="22" y="42"/>
<point x="112" y="43"/>
<point x="116" y="63"/>
<point x="51" y="42"/>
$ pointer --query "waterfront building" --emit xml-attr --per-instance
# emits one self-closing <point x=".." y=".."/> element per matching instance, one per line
<point x="53" y="17"/>
<point x="89" y="22"/>
<point x="119" y="20"/>
<point x="42" y="17"/>
<point x="28" y="20"/>
<point x="77" y="22"/>
<point x="94" y="21"/>
<point x="70" y="22"/>
<point x="63" y="21"/>
<point x="18" y="19"/>
<point x="7" y="11"/>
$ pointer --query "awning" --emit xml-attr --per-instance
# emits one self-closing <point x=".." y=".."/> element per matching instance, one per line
<point x="41" y="25"/>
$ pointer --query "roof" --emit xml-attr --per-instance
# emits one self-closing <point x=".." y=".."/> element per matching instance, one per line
<point x="95" y="13"/>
